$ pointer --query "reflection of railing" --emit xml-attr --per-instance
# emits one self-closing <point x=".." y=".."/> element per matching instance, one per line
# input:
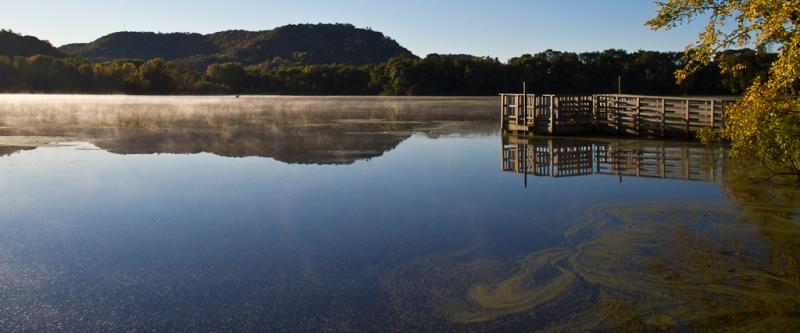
<point x="566" y="158"/>
<point x="548" y="158"/>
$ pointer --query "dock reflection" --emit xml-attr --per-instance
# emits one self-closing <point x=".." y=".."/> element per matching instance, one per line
<point x="571" y="157"/>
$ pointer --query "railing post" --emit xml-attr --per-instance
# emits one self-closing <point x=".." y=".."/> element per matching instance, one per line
<point x="663" y="117"/>
<point x="551" y="125"/>
<point x="557" y="115"/>
<point x="687" y="119"/>
<point x="524" y="103"/>
<point x="713" y="111"/>
<point x="594" y="113"/>
<point x="617" y="114"/>
<point x="534" y="110"/>
<point x="638" y="116"/>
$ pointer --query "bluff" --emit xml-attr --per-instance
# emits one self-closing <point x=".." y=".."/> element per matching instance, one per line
<point x="295" y="44"/>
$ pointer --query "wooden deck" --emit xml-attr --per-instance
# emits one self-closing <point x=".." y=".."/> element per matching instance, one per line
<point x="614" y="114"/>
<point x="544" y="157"/>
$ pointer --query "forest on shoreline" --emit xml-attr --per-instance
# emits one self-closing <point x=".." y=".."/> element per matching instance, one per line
<point x="340" y="59"/>
<point x="641" y="72"/>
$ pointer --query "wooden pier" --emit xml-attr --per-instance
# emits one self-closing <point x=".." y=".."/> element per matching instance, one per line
<point x="612" y="114"/>
<point x="543" y="157"/>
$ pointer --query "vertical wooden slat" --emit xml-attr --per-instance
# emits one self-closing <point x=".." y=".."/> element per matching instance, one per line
<point x="524" y="103"/>
<point x="550" y="126"/>
<point x="638" y="116"/>
<point x="713" y="111"/>
<point x="687" y="118"/>
<point x="663" y="117"/>
<point x="617" y="113"/>
<point x="556" y="115"/>
<point x="595" y="104"/>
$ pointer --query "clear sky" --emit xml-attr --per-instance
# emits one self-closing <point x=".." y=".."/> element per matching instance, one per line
<point x="497" y="28"/>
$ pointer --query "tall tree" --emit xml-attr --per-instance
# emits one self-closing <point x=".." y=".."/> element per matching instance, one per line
<point x="229" y="74"/>
<point x="766" y="122"/>
<point x="157" y="77"/>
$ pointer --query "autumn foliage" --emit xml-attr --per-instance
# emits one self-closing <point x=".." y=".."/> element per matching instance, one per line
<point x="766" y="123"/>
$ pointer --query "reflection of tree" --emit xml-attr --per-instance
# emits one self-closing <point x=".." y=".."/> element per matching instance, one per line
<point x="771" y="204"/>
<point x="8" y="150"/>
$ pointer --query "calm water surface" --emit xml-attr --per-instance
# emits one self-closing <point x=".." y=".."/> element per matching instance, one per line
<point x="375" y="214"/>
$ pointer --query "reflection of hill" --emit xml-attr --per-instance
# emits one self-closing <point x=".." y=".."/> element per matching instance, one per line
<point x="294" y="130"/>
<point x="299" y="144"/>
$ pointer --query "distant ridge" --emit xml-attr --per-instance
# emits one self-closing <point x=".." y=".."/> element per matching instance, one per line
<point x="296" y="44"/>
<point x="13" y="44"/>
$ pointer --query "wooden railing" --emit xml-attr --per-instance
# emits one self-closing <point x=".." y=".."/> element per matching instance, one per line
<point x="546" y="113"/>
<point x="612" y="114"/>
<point x="658" y="115"/>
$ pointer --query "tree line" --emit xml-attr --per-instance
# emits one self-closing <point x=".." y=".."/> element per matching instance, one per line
<point x="641" y="72"/>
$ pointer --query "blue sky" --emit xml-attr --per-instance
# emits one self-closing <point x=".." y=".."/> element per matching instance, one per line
<point x="498" y="28"/>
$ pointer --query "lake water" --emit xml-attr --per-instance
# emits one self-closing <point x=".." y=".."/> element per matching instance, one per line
<point x="375" y="214"/>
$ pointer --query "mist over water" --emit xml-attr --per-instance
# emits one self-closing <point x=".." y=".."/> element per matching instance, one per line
<point x="339" y="214"/>
<point x="292" y="129"/>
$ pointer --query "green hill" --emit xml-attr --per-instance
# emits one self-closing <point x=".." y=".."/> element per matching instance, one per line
<point x="13" y="44"/>
<point x="142" y="45"/>
<point x="299" y="44"/>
